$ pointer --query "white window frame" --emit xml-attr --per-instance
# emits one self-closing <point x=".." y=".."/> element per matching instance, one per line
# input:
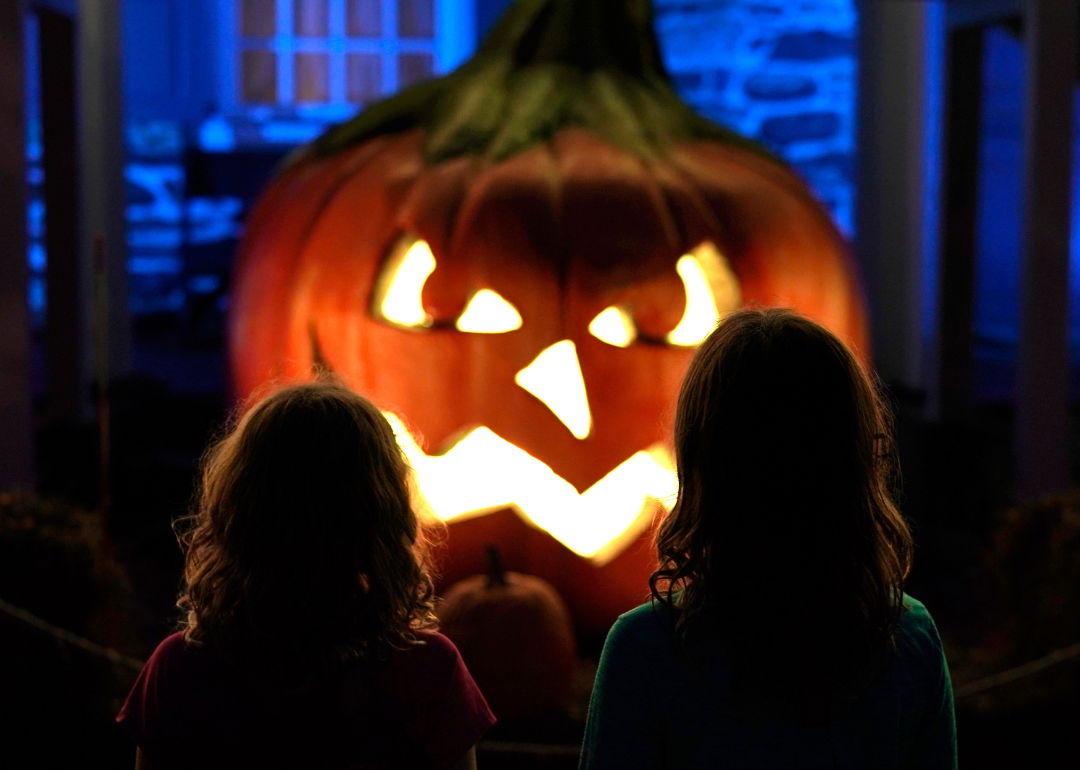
<point x="453" y="42"/>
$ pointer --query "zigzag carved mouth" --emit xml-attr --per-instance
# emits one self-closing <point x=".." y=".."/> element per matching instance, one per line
<point x="484" y="472"/>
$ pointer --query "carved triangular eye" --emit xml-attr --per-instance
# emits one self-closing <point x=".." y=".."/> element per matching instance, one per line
<point x="398" y="290"/>
<point x="712" y="291"/>
<point x="614" y="326"/>
<point x="488" y="313"/>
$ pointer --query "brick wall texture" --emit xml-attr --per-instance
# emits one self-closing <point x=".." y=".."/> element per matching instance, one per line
<point x="780" y="71"/>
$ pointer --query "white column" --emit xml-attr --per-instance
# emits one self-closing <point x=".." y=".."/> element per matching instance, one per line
<point x="101" y="180"/>
<point x="16" y="418"/>
<point x="1042" y="387"/>
<point x="899" y="62"/>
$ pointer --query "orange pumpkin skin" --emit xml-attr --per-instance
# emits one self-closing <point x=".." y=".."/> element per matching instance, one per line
<point x="562" y="227"/>
<point x="562" y="231"/>
<point x="516" y="638"/>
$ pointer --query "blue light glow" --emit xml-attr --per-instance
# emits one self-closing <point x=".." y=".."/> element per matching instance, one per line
<point x="780" y="72"/>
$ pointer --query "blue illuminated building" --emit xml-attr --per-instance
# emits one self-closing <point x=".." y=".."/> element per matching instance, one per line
<point x="218" y="91"/>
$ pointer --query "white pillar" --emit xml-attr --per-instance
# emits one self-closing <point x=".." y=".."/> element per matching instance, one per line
<point x="899" y="61"/>
<point x="101" y="180"/>
<point x="1042" y="387"/>
<point x="16" y="417"/>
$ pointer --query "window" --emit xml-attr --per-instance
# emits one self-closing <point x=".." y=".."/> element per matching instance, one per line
<point x="324" y="57"/>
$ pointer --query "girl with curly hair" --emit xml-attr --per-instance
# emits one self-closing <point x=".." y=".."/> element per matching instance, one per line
<point x="308" y="634"/>
<point x="778" y="633"/>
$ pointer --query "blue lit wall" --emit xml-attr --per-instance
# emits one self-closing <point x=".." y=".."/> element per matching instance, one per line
<point x="997" y="266"/>
<point x="778" y="71"/>
<point x="997" y="269"/>
<point x="35" y="219"/>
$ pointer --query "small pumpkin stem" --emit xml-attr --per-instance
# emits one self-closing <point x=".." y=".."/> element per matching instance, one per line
<point x="496" y="569"/>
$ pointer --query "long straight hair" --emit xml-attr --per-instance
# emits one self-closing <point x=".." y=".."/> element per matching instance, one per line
<point x="304" y="553"/>
<point x="785" y="538"/>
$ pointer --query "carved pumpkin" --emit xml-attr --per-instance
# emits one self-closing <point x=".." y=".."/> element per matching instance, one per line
<point x="516" y="261"/>
<point x="514" y="634"/>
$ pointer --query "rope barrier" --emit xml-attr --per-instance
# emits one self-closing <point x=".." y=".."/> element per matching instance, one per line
<point x="135" y="665"/>
<point x="1012" y="674"/>
<point x="117" y="658"/>
<point x="534" y="749"/>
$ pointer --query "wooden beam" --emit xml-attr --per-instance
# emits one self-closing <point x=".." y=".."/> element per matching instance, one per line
<point x="890" y="214"/>
<point x="1050" y="39"/>
<point x="16" y="414"/>
<point x="979" y="13"/>
<point x="963" y="97"/>
<point x="63" y="317"/>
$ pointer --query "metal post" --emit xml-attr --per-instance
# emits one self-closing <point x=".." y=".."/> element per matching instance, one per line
<point x="1050" y="38"/>
<point x="101" y="181"/>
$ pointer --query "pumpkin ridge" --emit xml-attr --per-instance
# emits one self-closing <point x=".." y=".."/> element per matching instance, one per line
<point x="547" y="65"/>
<point x="344" y="176"/>
<point x="694" y="204"/>
<point x="291" y="180"/>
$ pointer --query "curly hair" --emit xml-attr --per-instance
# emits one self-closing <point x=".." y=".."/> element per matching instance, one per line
<point x="304" y="552"/>
<point x="784" y="540"/>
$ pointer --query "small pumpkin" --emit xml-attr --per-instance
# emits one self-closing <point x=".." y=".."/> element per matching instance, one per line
<point x="519" y="258"/>
<point x="514" y="633"/>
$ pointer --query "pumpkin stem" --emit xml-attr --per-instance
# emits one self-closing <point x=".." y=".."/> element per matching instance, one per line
<point x="547" y="65"/>
<point x="496" y="569"/>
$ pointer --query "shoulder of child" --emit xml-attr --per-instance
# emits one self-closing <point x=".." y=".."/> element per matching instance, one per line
<point x="643" y="630"/>
<point x="918" y="635"/>
<point x="450" y="712"/>
<point x="651" y="620"/>
<point x="171" y="647"/>
<point x="172" y="654"/>
<point x="434" y="652"/>
<point x="158" y="700"/>
<point x="915" y="621"/>
<point x="423" y="670"/>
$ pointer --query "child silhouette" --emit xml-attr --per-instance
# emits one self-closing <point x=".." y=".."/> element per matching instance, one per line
<point x="307" y="638"/>
<point x="778" y="634"/>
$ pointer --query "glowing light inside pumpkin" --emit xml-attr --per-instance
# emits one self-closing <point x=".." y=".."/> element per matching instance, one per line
<point x="614" y="326"/>
<point x="555" y="378"/>
<point x="701" y="315"/>
<point x="488" y="313"/>
<point x="398" y="298"/>
<point x="483" y="472"/>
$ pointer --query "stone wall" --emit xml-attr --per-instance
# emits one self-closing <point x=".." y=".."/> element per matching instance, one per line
<point x="780" y="71"/>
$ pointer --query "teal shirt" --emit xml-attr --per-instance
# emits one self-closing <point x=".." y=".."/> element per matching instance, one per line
<point x="649" y="710"/>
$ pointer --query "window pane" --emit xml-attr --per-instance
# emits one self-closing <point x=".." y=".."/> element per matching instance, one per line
<point x="311" y="76"/>
<point x="363" y="77"/>
<point x="259" y="18"/>
<point x="259" y="77"/>
<point x="416" y="18"/>
<point x="413" y="67"/>
<point x="364" y="18"/>
<point x="311" y="18"/>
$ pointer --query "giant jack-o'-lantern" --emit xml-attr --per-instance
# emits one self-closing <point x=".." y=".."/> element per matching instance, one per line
<point x="515" y="262"/>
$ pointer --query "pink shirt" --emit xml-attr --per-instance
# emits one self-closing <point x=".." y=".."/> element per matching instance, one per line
<point x="420" y="710"/>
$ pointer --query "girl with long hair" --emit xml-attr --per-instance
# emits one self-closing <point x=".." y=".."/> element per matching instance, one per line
<point x="308" y="634"/>
<point x="778" y="633"/>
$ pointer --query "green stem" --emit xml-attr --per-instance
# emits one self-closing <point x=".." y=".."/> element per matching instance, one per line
<point x="584" y="34"/>
<point x="547" y="65"/>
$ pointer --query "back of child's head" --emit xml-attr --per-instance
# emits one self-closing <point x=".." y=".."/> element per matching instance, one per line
<point x="784" y="516"/>
<point x="304" y="551"/>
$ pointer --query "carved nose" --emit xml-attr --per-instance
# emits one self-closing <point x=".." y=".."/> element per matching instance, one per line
<point x="555" y="378"/>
